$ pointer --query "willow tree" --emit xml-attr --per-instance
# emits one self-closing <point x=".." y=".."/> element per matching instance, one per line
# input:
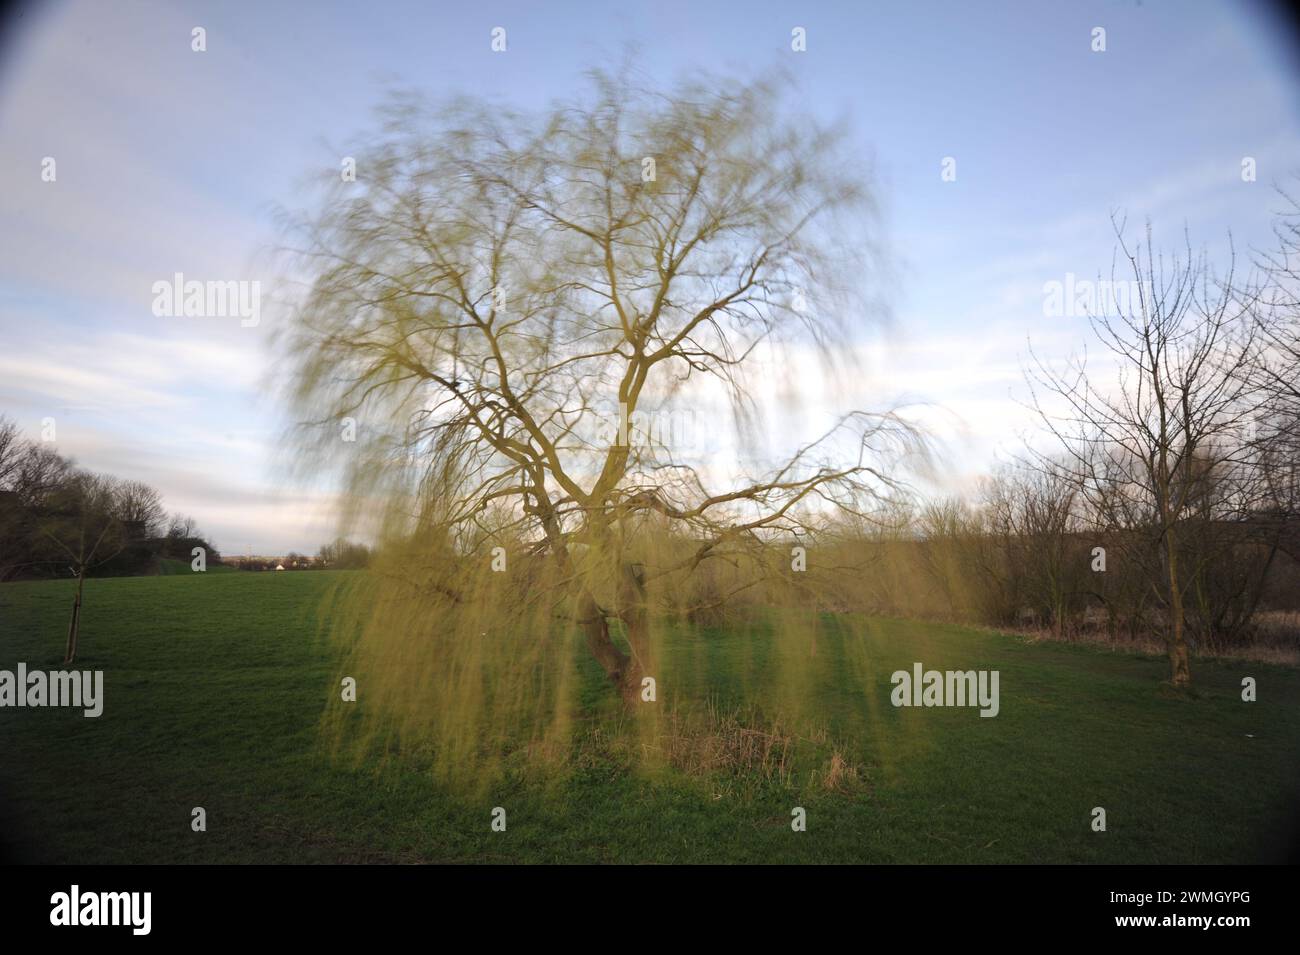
<point x="500" y="301"/>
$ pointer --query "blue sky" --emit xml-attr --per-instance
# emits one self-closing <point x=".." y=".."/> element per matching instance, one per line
<point x="173" y="161"/>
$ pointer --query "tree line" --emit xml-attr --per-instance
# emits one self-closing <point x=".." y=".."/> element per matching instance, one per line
<point x="338" y="554"/>
<point x="60" y="520"/>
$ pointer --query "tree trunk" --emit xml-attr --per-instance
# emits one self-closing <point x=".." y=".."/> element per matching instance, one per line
<point x="70" y="654"/>
<point x="611" y="659"/>
<point x="590" y="615"/>
<point x="624" y="671"/>
<point x="635" y="616"/>
<point x="1180" y="668"/>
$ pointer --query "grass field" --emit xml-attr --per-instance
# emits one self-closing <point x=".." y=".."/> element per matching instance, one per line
<point x="215" y="686"/>
<point x="169" y="567"/>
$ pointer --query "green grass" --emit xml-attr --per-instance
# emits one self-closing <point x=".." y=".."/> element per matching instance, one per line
<point x="170" y="567"/>
<point x="215" y="687"/>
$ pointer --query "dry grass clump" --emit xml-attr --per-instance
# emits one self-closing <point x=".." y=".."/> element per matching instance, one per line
<point x="1273" y="638"/>
<point x="744" y="747"/>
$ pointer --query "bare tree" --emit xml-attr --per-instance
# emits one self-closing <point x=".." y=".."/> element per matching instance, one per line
<point x="39" y="473"/>
<point x="12" y="447"/>
<point x="1183" y="344"/>
<point x="30" y="473"/>
<point x="948" y="539"/>
<point x="499" y="296"/>
<point x="13" y="532"/>
<point x="1032" y="514"/>
<point x="82" y="529"/>
<point x="1278" y="317"/>
<point x="182" y="527"/>
<point x="1277" y="431"/>
<point x="140" y="509"/>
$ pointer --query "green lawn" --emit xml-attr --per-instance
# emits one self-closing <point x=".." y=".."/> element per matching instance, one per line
<point x="215" y="687"/>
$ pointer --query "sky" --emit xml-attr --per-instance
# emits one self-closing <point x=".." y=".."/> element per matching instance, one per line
<point x="170" y="160"/>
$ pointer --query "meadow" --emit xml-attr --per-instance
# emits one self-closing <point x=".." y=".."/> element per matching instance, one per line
<point x="216" y="687"/>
